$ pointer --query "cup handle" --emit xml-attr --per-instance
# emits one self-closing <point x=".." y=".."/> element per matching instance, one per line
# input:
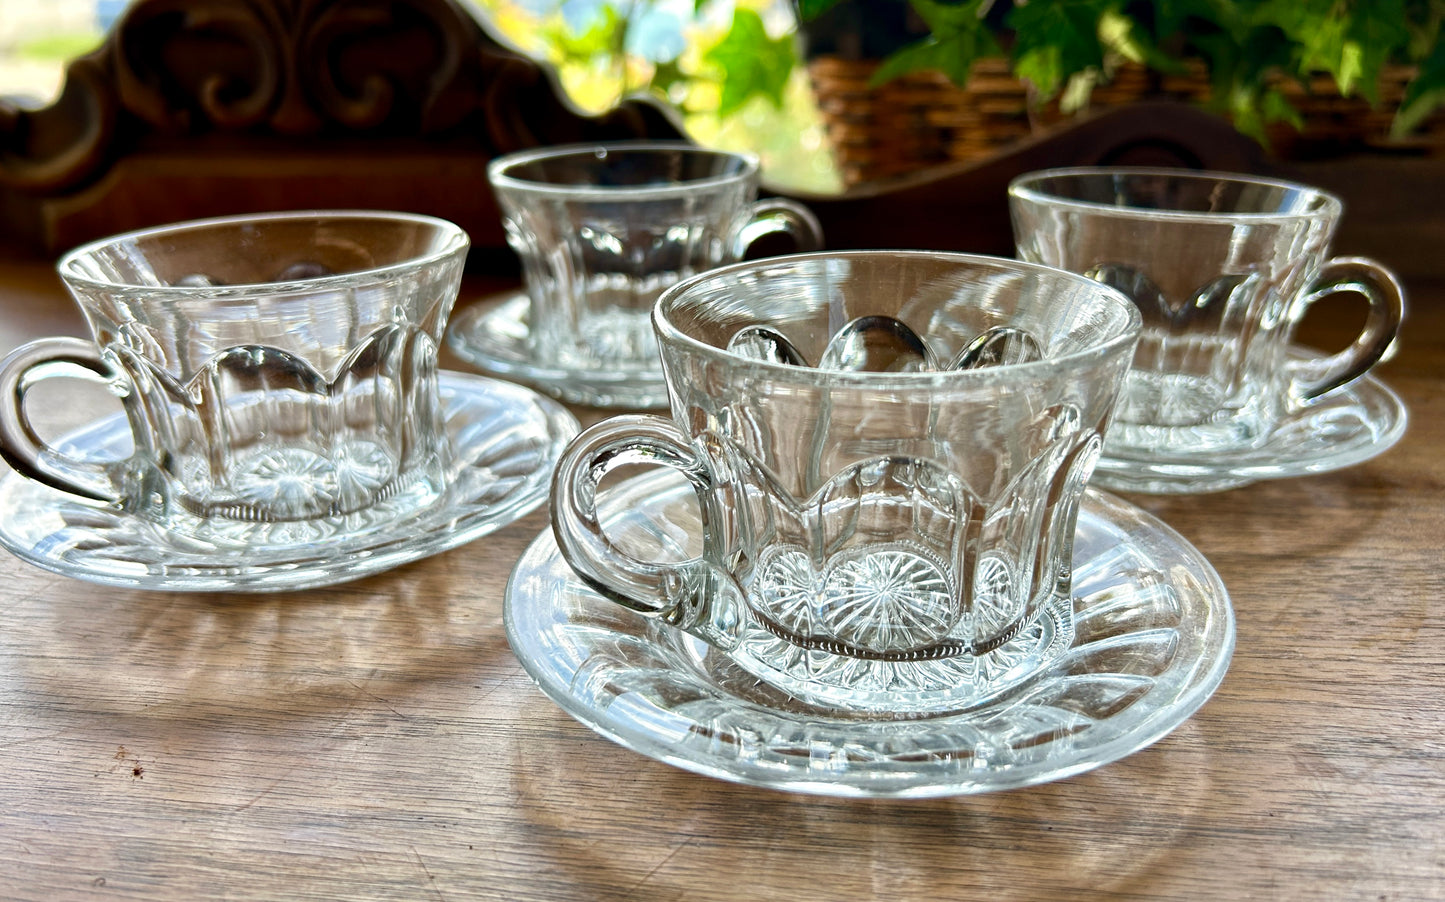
<point x="21" y="446"/>
<point x="1309" y="379"/>
<point x="674" y="591"/>
<point x="778" y="214"/>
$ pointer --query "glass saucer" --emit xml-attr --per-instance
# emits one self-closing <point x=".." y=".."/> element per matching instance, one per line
<point x="492" y="336"/>
<point x="1154" y="636"/>
<point x="1340" y="430"/>
<point x="505" y="442"/>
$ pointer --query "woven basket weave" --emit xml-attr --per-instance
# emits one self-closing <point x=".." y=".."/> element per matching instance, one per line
<point x="1331" y="121"/>
<point x="922" y="119"/>
<point x="918" y="120"/>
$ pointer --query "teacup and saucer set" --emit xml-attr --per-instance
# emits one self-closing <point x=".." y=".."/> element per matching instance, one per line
<point x="870" y="564"/>
<point x="1222" y="268"/>
<point x="601" y="230"/>
<point x="285" y="424"/>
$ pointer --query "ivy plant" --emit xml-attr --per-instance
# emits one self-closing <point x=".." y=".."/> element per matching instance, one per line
<point x="1247" y="46"/>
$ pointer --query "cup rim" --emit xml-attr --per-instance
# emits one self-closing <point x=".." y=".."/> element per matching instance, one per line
<point x="455" y="239"/>
<point x="1127" y="335"/>
<point x="1025" y="187"/>
<point x="499" y="178"/>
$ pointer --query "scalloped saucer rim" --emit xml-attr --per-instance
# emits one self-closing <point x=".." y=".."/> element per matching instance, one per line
<point x="553" y="622"/>
<point x="1354" y="424"/>
<point x="491" y="334"/>
<point x="80" y="539"/>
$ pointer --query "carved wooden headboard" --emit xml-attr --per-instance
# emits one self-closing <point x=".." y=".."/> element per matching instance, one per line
<point x="195" y="108"/>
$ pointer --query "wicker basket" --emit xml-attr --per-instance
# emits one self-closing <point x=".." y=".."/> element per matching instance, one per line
<point x="915" y="121"/>
<point x="923" y="119"/>
<point x="1332" y="123"/>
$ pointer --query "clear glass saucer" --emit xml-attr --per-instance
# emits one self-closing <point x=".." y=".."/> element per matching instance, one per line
<point x="1155" y="632"/>
<point x="505" y="442"/>
<point x="1342" y="429"/>
<point x="492" y="335"/>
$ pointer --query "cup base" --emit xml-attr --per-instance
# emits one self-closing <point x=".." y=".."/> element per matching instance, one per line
<point x="891" y="689"/>
<point x="245" y="527"/>
<point x="1347" y="427"/>
<point x="504" y="440"/>
<point x="495" y="336"/>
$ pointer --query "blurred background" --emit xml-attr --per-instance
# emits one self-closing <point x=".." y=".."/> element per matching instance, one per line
<point x="837" y="93"/>
<point x="602" y="50"/>
<point x="36" y="39"/>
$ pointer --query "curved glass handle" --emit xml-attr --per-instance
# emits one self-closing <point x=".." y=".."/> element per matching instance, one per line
<point x="1312" y="378"/>
<point x="21" y="446"/>
<point x="774" y="215"/>
<point x="673" y="591"/>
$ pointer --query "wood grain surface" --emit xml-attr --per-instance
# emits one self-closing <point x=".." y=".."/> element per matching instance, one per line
<point x="377" y="740"/>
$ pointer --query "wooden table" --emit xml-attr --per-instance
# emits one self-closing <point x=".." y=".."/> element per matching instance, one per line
<point x="379" y="740"/>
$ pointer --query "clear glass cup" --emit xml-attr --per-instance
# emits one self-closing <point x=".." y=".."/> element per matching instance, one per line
<point x="274" y="368"/>
<point x="889" y="541"/>
<point x="602" y="229"/>
<point x="1222" y="267"/>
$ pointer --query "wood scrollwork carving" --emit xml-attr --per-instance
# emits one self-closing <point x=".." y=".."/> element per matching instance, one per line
<point x="272" y="79"/>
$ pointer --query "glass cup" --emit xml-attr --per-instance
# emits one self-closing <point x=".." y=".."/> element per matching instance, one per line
<point x="1222" y="267"/>
<point x="602" y="229"/>
<point x="279" y="372"/>
<point x="893" y="541"/>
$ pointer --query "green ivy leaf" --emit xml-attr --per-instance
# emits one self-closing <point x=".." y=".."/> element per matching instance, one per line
<point x="941" y="17"/>
<point x="1425" y="94"/>
<point x="958" y="37"/>
<point x="1043" y="67"/>
<point x="1319" y="27"/>
<point x="1378" y="30"/>
<point x="1056" y="40"/>
<point x="1351" y="40"/>
<point x="753" y="64"/>
<point x="1127" y="37"/>
<point x="954" y="57"/>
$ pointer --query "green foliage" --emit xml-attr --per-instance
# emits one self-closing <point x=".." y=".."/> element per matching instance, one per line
<point x="1248" y="46"/>
<point x="751" y="63"/>
<point x="1425" y="94"/>
<point x="958" y="36"/>
<point x="1053" y="41"/>
<point x="701" y="65"/>
<point x="602" y="36"/>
